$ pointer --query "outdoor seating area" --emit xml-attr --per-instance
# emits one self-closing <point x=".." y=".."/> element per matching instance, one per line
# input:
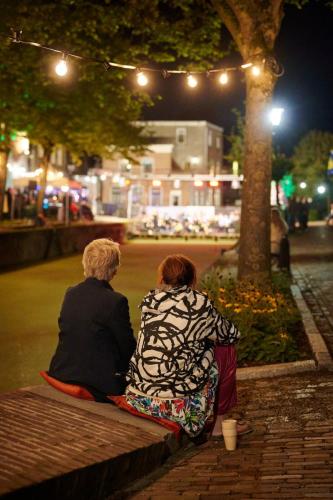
<point x="186" y="222"/>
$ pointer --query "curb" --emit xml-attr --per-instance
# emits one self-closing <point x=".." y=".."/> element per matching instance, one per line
<point x="276" y="370"/>
<point x="317" y="343"/>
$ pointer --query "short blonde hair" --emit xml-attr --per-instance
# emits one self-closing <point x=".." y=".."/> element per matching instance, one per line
<point x="101" y="259"/>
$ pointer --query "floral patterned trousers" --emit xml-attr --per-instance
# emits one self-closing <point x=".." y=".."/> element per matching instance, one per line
<point x="217" y="397"/>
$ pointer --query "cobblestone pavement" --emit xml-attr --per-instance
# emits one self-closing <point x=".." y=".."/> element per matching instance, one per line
<point x="315" y="280"/>
<point x="289" y="454"/>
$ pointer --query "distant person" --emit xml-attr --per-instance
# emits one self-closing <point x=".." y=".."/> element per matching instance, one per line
<point x="6" y="205"/>
<point x="73" y="210"/>
<point x="86" y="213"/>
<point x="292" y="213"/>
<point x="303" y="214"/>
<point x="279" y="239"/>
<point x="40" y="220"/>
<point x="329" y="219"/>
<point x="96" y="339"/>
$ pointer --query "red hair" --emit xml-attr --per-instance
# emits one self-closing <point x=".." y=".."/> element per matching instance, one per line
<point x="177" y="270"/>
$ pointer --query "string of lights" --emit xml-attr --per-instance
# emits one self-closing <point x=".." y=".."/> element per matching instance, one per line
<point x="62" y="66"/>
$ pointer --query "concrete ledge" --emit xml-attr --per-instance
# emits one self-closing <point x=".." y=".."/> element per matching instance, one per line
<point x="27" y="246"/>
<point x="276" y="370"/>
<point x="54" y="446"/>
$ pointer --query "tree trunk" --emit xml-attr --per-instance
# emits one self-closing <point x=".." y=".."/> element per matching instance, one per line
<point x="254" y="256"/>
<point x="43" y="178"/>
<point x="3" y="178"/>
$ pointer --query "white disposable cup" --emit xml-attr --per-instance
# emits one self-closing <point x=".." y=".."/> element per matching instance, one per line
<point x="229" y="423"/>
<point x="229" y="431"/>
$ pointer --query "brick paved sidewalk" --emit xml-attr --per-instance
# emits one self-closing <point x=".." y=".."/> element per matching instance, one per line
<point x="289" y="455"/>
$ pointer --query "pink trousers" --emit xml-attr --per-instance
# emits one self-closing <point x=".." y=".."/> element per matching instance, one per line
<point x="226" y="393"/>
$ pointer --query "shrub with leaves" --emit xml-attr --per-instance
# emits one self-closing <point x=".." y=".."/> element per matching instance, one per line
<point x="265" y="315"/>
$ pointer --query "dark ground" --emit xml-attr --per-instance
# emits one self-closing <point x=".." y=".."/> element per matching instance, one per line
<point x="290" y="452"/>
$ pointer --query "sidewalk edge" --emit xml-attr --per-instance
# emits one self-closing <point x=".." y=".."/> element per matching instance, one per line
<point x="276" y="370"/>
<point x="317" y="343"/>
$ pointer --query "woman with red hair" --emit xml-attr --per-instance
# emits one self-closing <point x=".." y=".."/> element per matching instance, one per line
<point x="184" y="366"/>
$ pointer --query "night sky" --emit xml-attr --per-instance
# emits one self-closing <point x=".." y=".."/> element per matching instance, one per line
<point x="304" y="47"/>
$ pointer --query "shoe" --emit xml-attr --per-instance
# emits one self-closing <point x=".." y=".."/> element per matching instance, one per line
<point x="243" y="428"/>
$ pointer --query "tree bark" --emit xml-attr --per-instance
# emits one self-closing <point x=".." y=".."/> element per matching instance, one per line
<point x="3" y="178"/>
<point x="43" y="178"/>
<point x="254" y="255"/>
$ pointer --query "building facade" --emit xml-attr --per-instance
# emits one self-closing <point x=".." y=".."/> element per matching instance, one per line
<point x="182" y="166"/>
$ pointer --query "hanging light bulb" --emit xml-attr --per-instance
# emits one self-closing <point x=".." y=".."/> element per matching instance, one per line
<point x="142" y="79"/>
<point x="192" y="81"/>
<point x="255" y="70"/>
<point x="61" y="68"/>
<point x="246" y="65"/>
<point x="223" y="78"/>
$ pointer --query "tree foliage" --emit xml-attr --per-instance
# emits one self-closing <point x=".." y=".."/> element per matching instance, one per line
<point x="311" y="158"/>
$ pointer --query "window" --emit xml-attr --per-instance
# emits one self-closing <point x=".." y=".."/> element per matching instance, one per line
<point x="147" y="165"/>
<point x="124" y="165"/>
<point x="116" y="195"/>
<point x="137" y="194"/>
<point x="218" y="142"/>
<point x="210" y="138"/>
<point x="181" y="136"/>
<point x="156" y="196"/>
<point x="175" y="197"/>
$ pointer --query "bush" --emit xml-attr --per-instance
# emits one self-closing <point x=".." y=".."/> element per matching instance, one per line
<point x="265" y="315"/>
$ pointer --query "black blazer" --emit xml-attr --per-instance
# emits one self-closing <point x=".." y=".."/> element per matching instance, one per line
<point x="96" y="339"/>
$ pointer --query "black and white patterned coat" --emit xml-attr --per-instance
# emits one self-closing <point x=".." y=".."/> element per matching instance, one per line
<point x="175" y="348"/>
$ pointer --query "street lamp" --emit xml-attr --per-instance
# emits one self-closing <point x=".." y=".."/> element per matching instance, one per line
<point x="275" y="116"/>
<point x="321" y="189"/>
<point x="303" y="185"/>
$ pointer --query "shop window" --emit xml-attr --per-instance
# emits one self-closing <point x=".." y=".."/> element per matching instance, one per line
<point x="181" y="136"/>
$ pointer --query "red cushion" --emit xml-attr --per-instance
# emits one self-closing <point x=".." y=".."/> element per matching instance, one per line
<point x="72" y="390"/>
<point x="121" y="402"/>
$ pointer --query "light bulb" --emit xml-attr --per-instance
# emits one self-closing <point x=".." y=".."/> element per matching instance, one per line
<point x="223" y="79"/>
<point x="192" y="81"/>
<point x="61" y="68"/>
<point x="275" y="116"/>
<point x="142" y="79"/>
<point x="255" y="70"/>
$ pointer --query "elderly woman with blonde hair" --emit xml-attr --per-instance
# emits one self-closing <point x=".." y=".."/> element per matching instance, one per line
<point x="96" y="339"/>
